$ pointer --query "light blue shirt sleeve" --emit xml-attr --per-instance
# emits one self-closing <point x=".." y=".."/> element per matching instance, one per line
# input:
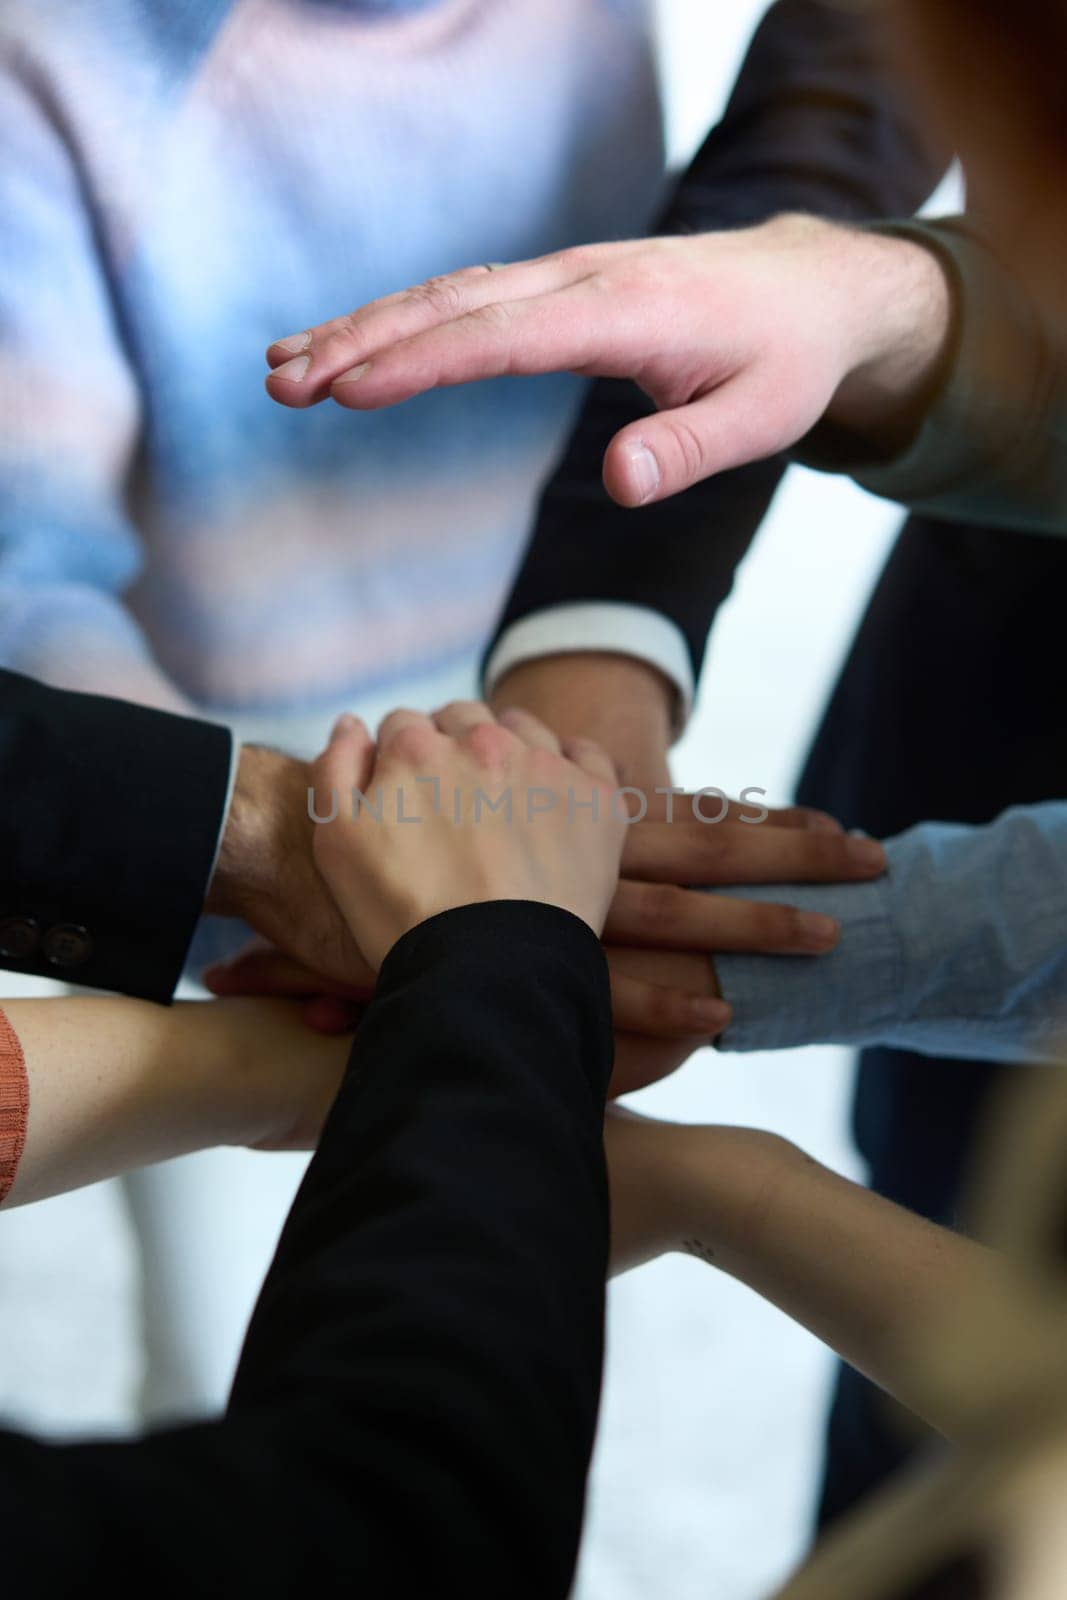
<point x="960" y="950"/>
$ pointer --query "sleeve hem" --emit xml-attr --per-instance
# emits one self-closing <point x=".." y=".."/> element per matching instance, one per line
<point x="610" y="626"/>
<point x="14" y="1105"/>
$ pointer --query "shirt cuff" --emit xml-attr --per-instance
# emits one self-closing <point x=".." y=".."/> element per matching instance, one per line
<point x="847" y="997"/>
<point x="231" y="784"/>
<point x="609" y="626"/>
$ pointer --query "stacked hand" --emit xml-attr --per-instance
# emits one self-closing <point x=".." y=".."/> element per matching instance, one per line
<point x="504" y="813"/>
<point x="659" y="935"/>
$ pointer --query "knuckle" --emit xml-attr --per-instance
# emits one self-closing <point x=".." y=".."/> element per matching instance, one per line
<point x="460" y="708"/>
<point x="413" y="743"/>
<point x="489" y="743"/>
<point x="690" y="446"/>
<point x="442" y="296"/>
<point x="343" y="342"/>
<point x="660" y="907"/>
<point x="494" y="316"/>
<point x="348" y="326"/>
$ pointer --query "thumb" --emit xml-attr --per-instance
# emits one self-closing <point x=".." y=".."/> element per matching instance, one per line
<point x="662" y="454"/>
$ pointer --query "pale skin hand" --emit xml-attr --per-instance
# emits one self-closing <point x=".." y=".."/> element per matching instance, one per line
<point x="388" y="876"/>
<point x="116" y="1084"/>
<point x="743" y="340"/>
<point x="864" y="1275"/>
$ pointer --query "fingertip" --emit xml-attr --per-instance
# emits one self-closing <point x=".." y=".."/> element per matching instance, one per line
<point x="726" y="1017"/>
<point x="711" y="1016"/>
<point x="819" y="934"/>
<point x="591" y="757"/>
<point x="867" y="856"/>
<point x="289" y="389"/>
<point x="329" y="1015"/>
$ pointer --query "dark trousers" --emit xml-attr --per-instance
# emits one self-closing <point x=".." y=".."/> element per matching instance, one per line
<point x="949" y="707"/>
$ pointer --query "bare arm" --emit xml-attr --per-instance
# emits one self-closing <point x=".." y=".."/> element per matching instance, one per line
<point x="115" y="1084"/>
<point x="861" y="1273"/>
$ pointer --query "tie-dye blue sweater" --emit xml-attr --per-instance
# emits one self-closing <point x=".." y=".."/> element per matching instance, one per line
<point x="182" y="181"/>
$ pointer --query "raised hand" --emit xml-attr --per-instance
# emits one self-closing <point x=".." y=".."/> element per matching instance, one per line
<point x="743" y="340"/>
<point x="503" y="813"/>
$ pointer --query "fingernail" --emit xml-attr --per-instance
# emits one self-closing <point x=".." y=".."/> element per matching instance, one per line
<point x="292" y="371"/>
<point x="866" y="853"/>
<point x="353" y="374"/>
<point x="644" y="470"/>
<point x="295" y="342"/>
<point x="818" y="932"/>
<point x="344" y="724"/>
<point x="711" y="1015"/>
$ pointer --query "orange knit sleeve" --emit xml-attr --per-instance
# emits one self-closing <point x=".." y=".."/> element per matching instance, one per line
<point x="14" y="1105"/>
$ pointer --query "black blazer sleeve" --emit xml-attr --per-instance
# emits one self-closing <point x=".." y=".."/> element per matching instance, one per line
<point x="110" y="815"/>
<point x="415" y="1405"/>
<point x="814" y="125"/>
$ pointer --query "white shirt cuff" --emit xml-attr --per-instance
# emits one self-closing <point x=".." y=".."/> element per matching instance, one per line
<point x="235" y="757"/>
<point x="597" y="625"/>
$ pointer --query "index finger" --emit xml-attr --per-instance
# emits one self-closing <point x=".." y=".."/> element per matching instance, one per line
<point x="552" y="332"/>
<point x="305" y="364"/>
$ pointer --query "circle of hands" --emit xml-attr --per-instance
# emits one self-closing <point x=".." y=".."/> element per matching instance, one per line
<point x="329" y="898"/>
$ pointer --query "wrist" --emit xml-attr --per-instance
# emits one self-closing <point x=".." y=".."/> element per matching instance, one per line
<point x="726" y="1179"/>
<point x="897" y="333"/>
<point x="254" y="1075"/>
<point x="267" y="825"/>
<point x="625" y="704"/>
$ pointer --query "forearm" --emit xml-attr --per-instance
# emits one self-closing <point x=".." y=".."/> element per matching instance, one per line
<point x="116" y="1084"/>
<point x="863" y="1275"/>
<point x="408" y="1333"/>
<point x="109" y="823"/>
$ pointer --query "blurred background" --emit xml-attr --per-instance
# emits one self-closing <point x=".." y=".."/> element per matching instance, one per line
<point x="710" y="1445"/>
